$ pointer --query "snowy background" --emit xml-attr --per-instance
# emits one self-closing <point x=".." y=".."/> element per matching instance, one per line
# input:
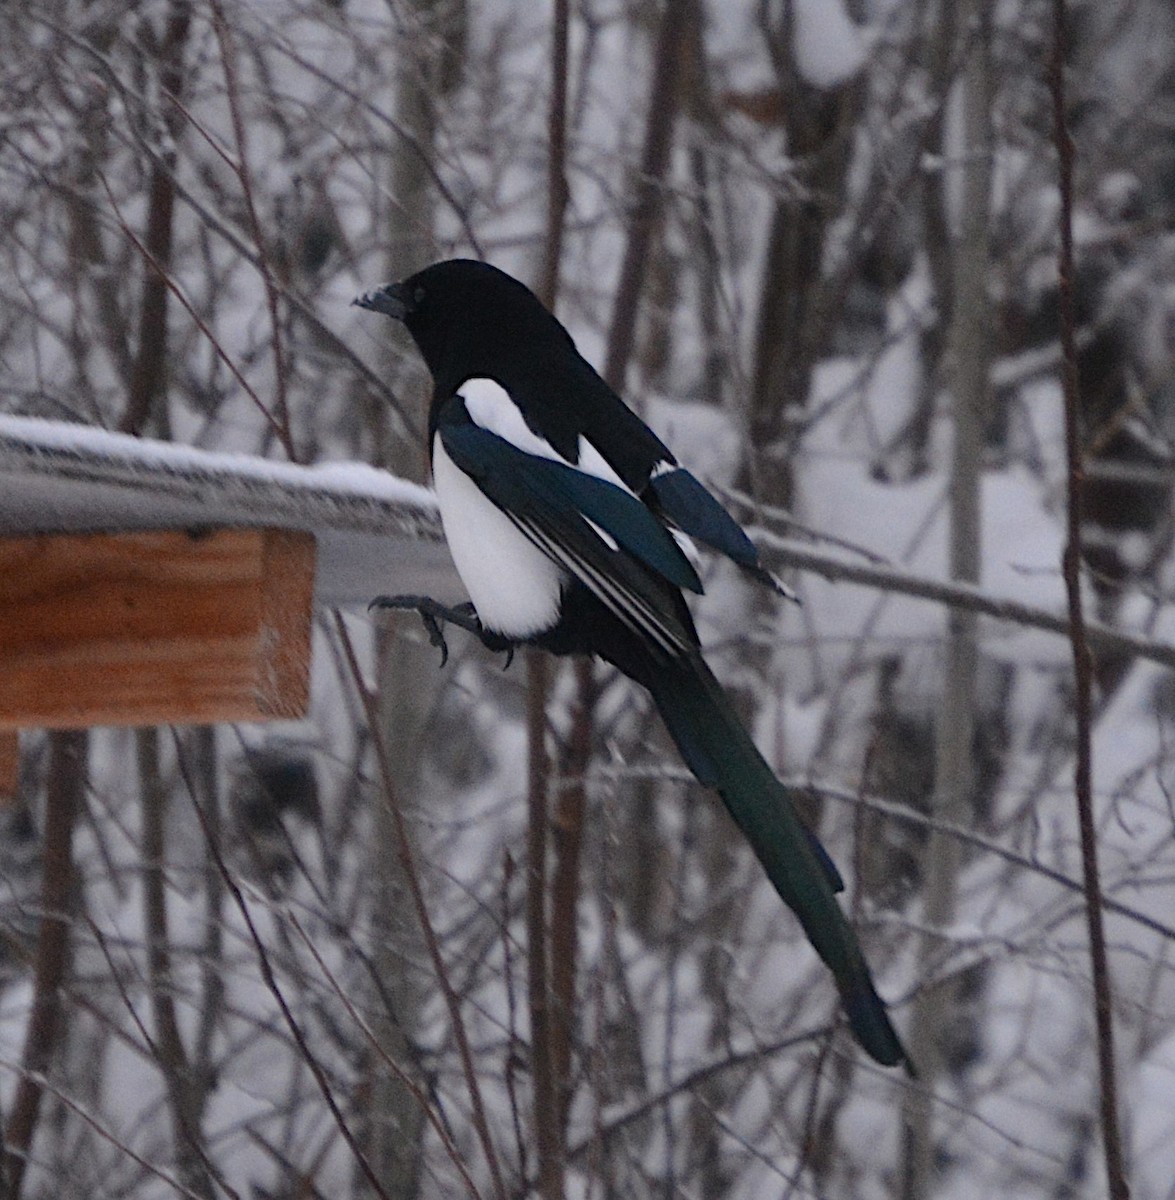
<point x="856" y="239"/>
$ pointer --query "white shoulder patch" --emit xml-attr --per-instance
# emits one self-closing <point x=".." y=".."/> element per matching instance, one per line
<point x="594" y="463"/>
<point x="490" y="407"/>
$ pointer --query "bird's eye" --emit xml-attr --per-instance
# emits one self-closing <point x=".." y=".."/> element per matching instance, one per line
<point x="418" y="295"/>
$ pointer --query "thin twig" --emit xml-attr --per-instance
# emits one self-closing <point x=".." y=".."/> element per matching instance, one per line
<point x="185" y="1091"/>
<point x="189" y="308"/>
<point x="63" y="798"/>
<point x="149" y="1046"/>
<point x="731" y="1061"/>
<point x="357" y="96"/>
<point x="538" y="990"/>
<point x="212" y="965"/>
<point x="645" y="213"/>
<point x="567" y="835"/>
<point x="895" y="810"/>
<point x="269" y="978"/>
<point x="550" y="1012"/>
<point x="786" y="552"/>
<point x="228" y="56"/>
<point x="148" y="1167"/>
<point x="559" y="959"/>
<point x="558" y="192"/>
<point x="329" y="339"/>
<point x="1082" y="657"/>
<point x="405" y="1078"/>
<point x="514" y="1042"/>
<point x="147" y="373"/>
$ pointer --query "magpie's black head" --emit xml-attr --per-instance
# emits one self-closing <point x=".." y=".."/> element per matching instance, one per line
<point x="468" y="318"/>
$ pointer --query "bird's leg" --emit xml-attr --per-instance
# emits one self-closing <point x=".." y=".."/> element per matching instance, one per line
<point x="434" y="614"/>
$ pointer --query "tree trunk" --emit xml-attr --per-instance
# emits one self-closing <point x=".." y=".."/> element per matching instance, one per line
<point x="969" y="340"/>
<point x="406" y="666"/>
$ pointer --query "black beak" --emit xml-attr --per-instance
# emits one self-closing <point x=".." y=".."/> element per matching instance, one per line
<point x="393" y="300"/>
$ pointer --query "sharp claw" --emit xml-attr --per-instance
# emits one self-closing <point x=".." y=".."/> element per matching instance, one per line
<point x="418" y="605"/>
<point x="434" y="615"/>
<point x="436" y="635"/>
<point x="509" y="658"/>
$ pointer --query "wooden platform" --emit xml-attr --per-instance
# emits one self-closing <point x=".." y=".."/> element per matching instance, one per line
<point x="157" y="627"/>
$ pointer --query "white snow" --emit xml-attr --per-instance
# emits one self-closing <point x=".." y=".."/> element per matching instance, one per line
<point x="55" y="443"/>
<point x="829" y="47"/>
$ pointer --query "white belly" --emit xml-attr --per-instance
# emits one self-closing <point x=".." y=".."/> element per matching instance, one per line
<point x="514" y="586"/>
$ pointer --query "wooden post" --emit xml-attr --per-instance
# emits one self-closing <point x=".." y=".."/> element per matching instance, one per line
<point x="151" y="628"/>
<point x="9" y="767"/>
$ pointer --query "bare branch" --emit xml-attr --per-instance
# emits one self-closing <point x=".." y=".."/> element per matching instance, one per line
<point x="228" y="56"/>
<point x="647" y="203"/>
<point x="186" y="1093"/>
<point x="1082" y="656"/>
<point x="64" y="796"/>
<point x="151" y="349"/>
<point x="790" y="553"/>
<point x="411" y="873"/>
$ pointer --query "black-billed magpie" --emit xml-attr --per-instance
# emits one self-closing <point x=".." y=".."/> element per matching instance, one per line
<point x="566" y="516"/>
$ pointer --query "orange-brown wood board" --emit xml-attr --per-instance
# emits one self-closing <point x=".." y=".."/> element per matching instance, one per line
<point x="152" y="628"/>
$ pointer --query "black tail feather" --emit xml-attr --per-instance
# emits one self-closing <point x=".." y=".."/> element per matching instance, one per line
<point x="722" y="755"/>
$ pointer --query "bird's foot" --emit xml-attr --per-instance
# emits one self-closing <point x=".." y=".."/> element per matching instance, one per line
<point x="434" y="615"/>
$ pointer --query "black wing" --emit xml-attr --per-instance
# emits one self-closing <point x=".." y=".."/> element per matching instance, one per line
<point x="602" y="535"/>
